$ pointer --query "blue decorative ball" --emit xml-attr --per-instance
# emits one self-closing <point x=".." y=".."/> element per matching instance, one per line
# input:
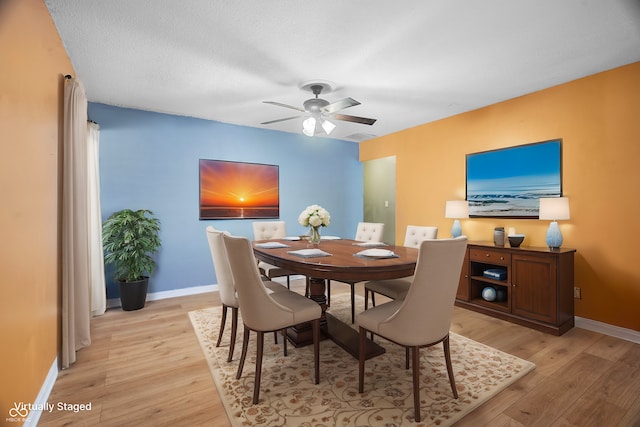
<point x="489" y="293"/>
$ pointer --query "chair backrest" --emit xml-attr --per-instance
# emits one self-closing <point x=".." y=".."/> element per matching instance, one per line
<point x="259" y="311"/>
<point x="417" y="233"/>
<point x="221" y="266"/>
<point x="425" y="313"/>
<point x="265" y="230"/>
<point x="369" y="231"/>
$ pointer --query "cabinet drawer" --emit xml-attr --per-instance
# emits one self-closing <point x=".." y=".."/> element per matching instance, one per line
<point x="489" y="257"/>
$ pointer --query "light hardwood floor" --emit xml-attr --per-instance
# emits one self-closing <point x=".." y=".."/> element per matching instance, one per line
<point x="146" y="368"/>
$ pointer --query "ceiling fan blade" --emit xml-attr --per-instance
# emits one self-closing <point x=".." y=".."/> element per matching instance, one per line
<point x="279" y="104"/>
<point x="354" y="119"/>
<point x="339" y="105"/>
<point x="279" y="120"/>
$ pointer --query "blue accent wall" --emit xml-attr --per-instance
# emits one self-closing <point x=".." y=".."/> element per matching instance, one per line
<point x="150" y="161"/>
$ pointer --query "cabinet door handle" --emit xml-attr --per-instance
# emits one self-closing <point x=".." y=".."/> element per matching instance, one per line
<point x="502" y="258"/>
<point x="487" y="255"/>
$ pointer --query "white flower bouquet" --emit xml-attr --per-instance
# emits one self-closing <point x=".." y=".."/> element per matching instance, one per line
<point x="314" y="216"/>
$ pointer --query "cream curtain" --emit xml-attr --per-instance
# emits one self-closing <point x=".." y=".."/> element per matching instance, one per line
<point x="98" y="286"/>
<point x="75" y="235"/>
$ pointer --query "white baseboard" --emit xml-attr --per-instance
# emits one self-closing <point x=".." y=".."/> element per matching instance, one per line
<point x="607" y="329"/>
<point x="194" y="290"/>
<point x="43" y="395"/>
<point x="580" y="322"/>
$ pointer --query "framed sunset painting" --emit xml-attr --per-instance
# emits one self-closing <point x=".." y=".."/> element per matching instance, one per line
<point x="509" y="182"/>
<point x="232" y="190"/>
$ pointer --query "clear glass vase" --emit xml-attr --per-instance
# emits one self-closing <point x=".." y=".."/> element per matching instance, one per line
<point x="314" y="235"/>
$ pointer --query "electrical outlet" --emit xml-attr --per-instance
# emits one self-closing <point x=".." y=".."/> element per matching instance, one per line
<point x="577" y="293"/>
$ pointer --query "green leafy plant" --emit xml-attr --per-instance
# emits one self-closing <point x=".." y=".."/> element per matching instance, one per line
<point x="129" y="238"/>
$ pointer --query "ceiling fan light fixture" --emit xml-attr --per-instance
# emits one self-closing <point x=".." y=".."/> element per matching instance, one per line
<point x="328" y="126"/>
<point x="318" y="108"/>
<point x="309" y="126"/>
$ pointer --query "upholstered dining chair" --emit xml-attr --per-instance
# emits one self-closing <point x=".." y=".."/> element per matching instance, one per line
<point x="367" y="232"/>
<point x="423" y="318"/>
<point x="263" y="312"/>
<point x="397" y="288"/>
<point x="226" y="286"/>
<point x="265" y="230"/>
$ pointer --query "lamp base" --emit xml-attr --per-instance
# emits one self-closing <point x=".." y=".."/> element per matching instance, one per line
<point x="456" y="230"/>
<point x="554" y="236"/>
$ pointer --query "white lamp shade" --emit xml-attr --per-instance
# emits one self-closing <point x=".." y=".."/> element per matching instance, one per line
<point x="309" y="126"/>
<point x="554" y="208"/>
<point x="328" y="126"/>
<point x="457" y="209"/>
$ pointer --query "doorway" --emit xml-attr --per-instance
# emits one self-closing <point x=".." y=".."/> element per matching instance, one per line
<point x="379" y="177"/>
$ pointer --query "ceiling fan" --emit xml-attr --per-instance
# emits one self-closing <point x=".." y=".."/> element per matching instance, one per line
<point x="320" y="110"/>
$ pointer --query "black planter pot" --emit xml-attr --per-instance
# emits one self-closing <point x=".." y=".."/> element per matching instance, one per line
<point x="133" y="294"/>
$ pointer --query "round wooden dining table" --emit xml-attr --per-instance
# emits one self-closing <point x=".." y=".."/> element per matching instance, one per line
<point x="335" y="259"/>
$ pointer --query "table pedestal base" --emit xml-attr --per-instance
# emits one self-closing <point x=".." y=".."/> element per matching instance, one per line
<point x="342" y="334"/>
<point x="302" y="335"/>
<point x="348" y="339"/>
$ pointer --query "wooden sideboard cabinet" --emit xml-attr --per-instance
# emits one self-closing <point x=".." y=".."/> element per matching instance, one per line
<point x="536" y="290"/>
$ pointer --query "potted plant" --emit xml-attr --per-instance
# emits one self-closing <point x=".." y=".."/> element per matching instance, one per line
<point x="129" y="239"/>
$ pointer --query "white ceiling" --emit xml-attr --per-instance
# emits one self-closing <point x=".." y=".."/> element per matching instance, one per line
<point x="408" y="62"/>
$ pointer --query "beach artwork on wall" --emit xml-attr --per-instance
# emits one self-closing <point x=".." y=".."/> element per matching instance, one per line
<point x="509" y="182"/>
<point x="232" y="190"/>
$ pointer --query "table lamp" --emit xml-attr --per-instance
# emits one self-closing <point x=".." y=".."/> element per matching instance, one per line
<point x="554" y="209"/>
<point x="456" y="209"/>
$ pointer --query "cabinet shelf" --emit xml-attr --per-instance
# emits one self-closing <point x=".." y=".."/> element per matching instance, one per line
<point x="489" y="280"/>
<point x="497" y="305"/>
<point x="537" y="291"/>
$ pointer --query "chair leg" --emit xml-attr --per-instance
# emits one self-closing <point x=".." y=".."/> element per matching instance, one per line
<point x="245" y="345"/>
<point x="259" y="351"/>
<point x="406" y="358"/>
<point x="373" y="299"/>
<point x="328" y="293"/>
<point x="366" y="298"/>
<point x="362" y="345"/>
<point x="284" y="341"/>
<point x="447" y="357"/>
<point x="307" y="290"/>
<point x="284" y="337"/>
<point x="234" y="331"/>
<point x="353" y="302"/>
<point x="416" y="382"/>
<point x="288" y="283"/>
<point x="316" y="348"/>
<point x="222" y="323"/>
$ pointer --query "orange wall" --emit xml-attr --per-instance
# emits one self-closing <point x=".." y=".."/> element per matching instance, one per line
<point x="597" y="118"/>
<point x="33" y="63"/>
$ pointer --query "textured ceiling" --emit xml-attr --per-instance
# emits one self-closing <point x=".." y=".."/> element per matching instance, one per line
<point x="408" y="62"/>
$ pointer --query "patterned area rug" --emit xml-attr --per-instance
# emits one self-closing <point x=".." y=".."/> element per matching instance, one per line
<point x="288" y="396"/>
